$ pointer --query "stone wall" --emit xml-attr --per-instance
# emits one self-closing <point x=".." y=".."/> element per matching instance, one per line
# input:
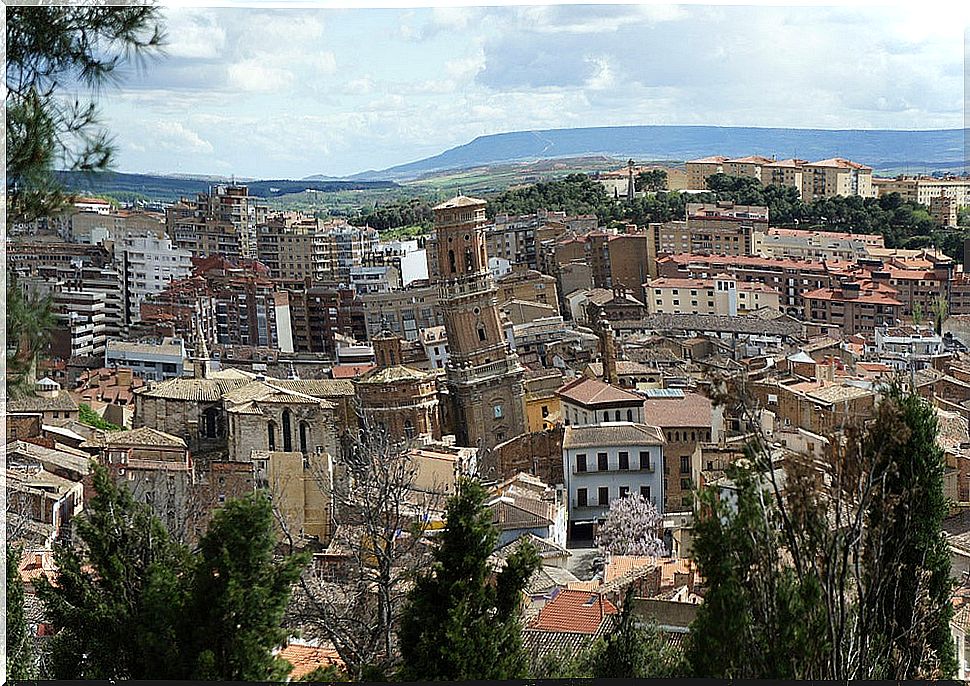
<point x="538" y="453"/>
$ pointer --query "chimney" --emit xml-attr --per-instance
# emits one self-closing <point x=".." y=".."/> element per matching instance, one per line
<point x="123" y="375"/>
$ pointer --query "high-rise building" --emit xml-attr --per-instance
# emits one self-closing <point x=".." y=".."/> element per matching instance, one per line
<point x="220" y="222"/>
<point x="149" y="263"/>
<point x="484" y="377"/>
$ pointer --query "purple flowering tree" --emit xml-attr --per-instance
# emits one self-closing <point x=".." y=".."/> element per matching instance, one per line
<point x="632" y="527"/>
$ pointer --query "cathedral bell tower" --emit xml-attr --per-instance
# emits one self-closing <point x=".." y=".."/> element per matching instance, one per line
<point x="483" y="375"/>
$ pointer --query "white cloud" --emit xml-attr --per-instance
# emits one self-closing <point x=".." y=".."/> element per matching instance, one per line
<point x="194" y="34"/>
<point x="175" y="136"/>
<point x="255" y="77"/>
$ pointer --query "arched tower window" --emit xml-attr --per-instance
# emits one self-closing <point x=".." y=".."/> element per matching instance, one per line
<point x="287" y="432"/>
<point x="271" y="435"/>
<point x="469" y="262"/>
<point x="481" y="333"/>
<point x="451" y="261"/>
<point x="408" y="428"/>
<point x="210" y="419"/>
<point x="304" y="431"/>
<point x="629" y="415"/>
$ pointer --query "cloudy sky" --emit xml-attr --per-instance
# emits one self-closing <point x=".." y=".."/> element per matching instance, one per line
<point x="270" y="93"/>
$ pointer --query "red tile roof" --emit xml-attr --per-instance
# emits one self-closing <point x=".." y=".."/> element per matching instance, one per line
<point x="693" y="410"/>
<point x="840" y="163"/>
<point x="575" y="612"/>
<point x="305" y="659"/>
<point x="590" y="392"/>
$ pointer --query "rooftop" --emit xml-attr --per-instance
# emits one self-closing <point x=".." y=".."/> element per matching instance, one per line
<point x="593" y="392"/>
<point x="693" y="409"/>
<point x="460" y="201"/>
<point x="579" y="612"/>
<point x="611" y="434"/>
<point x="144" y="436"/>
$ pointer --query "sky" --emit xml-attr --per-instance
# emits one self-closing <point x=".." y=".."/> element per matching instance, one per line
<point x="286" y="93"/>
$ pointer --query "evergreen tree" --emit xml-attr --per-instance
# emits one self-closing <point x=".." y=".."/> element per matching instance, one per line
<point x="20" y="653"/>
<point x="117" y="604"/>
<point x="635" y="651"/>
<point x="239" y="595"/>
<point x="907" y="559"/>
<point x="457" y="625"/>
<point x="51" y="48"/>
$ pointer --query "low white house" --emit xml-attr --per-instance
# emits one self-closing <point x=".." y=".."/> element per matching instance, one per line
<point x="610" y="460"/>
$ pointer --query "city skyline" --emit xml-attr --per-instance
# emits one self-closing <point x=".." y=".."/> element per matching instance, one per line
<point x="261" y="92"/>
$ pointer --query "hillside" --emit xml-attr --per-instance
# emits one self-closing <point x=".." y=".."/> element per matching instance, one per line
<point x="169" y="188"/>
<point x="890" y="150"/>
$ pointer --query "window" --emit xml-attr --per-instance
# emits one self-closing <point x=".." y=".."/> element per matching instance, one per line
<point x="545" y="411"/>
<point x="581" y="497"/>
<point x="645" y="459"/>
<point x="606" y="416"/>
<point x="481" y="333"/>
<point x="624" y="491"/>
<point x="685" y="484"/>
<point x="616" y="415"/>
<point x="287" y="432"/>
<point x="685" y="464"/>
<point x="624" y="460"/>
<point x="305" y="430"/>
<point x="629" y="415"/>
<point x="645" y="492"/>
<point x="498" y="411"/>
<point x="602" y="463"/>
<point x="271" y="435"/>
<point x="603" y="496"/>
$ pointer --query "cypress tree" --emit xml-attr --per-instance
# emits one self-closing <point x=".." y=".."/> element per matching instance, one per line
<point x="117" y="604"/>
<point x="457" y="625"/>
<point x="20" y="654"/>
<point x="239" y="595"/>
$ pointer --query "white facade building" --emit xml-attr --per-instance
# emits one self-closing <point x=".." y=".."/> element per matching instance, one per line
<point x="611" y="460"/>
<point x="149" y="263"/>
<point x="150" y="362"/>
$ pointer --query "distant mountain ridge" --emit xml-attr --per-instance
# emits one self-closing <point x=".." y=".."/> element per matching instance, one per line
<point x="881" y="149"/>
<point x="171" y="187"/>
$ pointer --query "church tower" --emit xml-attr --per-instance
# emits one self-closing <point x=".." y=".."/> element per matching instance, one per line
<point x="483" y="375"/>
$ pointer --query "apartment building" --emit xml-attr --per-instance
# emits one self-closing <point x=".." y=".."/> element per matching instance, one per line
<point x="528" y="285"/>
<point x="513" y="238"/>
<point x="686" y="420"/>
<point x="792" y="278"/>
<point x="30" y="257"/>
<point x="784" y="173"/>
<point x="855" y="306"/>
<point x="80" y="314"/>
<point x="698" y="170"/>
<point x="722" y="295"/>
<point x="377" y="279"/>
<point x="222" y="221"/>
<point x="296" y="248"/>
<point x="836" y="177"/>
<point x="148" y="263"/>
<point x="92" y="227"/>
<point x="587" y="401"/>
<point x="814" y="245"/>
<point x="906" y="348"/>
<point x="751" y="166"/>
<point x="943" y="208"/>
<point x="351" y="245"/>
<point x="405" y="312"/>
<point x="721" y="229"/>
<point x="614" y="259"/>
<point x="319" y="314"/>
<point x="608" y="461"/>
<point x="923" y="189"/>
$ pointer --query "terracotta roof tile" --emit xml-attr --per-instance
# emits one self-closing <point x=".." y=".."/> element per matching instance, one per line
<point x="592" y="392"/>
<point x="577" y="612"/>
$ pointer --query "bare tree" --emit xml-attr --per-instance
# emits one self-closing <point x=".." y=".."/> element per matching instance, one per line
<point x="380" y="517"/>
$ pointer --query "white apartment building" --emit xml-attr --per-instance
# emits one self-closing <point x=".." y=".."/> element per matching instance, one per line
<point x="434" y="340"/>
<point x="814" y="245"/>
<point x="148" y="263"/>
<point x="722" y="295"/>
<point x="154" y="362"/>
<point x="906" y="347"/>
<point x="81" y="317"/>
<point x="380" y="279"/>
<point x="607" y="461"/>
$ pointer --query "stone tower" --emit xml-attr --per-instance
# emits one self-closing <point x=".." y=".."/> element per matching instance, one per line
<point x="483" y="375"/>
